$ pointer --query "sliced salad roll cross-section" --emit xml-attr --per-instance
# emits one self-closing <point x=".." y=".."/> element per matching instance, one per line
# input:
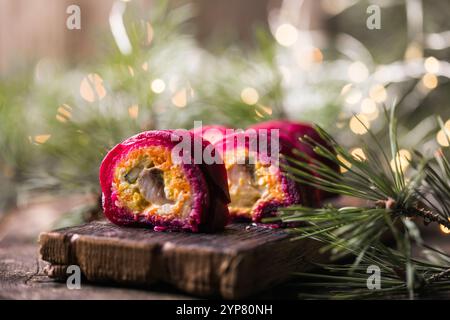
<point x="143" y="184"/>
<point x="257" y="183"/>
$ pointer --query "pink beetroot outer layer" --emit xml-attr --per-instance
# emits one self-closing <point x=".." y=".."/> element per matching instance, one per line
<point x="295" y="131"/>
<point x="200" y="131"/>
<point x="208" y="185"/>
<point x="294" y="193"/>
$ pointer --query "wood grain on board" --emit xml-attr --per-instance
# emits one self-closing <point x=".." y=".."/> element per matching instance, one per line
<point x="239" y="262"/>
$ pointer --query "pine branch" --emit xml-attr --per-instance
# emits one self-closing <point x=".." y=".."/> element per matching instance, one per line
<point x="375" y="178"/>
<point x="401" y="276"/>
<point x="438" y="276"/>
<point x="428" y="216"/>
<point x="358" y="232"/>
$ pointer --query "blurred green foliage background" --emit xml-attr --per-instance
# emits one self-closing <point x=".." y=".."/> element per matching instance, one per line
<point x="309" y="60"/>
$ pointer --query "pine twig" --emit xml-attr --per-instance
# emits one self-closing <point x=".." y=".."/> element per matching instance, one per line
<point x="428" y="216"/>
<point x="438" y="276"/>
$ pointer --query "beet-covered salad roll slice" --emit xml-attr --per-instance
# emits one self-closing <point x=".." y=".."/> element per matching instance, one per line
<point x="145" y="183"/>
<point x="212" y="133"/>
<point x="297" y="131"/>
<point x="258" y="185"/>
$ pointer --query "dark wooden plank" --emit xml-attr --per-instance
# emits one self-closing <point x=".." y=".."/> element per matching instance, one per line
<point x="22" y="276"/>
<point x="236" y="263"/>
<point x="22" y="273"/>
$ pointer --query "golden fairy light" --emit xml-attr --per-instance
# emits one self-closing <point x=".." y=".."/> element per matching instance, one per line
<point x="150" y="33"/>
<point x="40" y="139"/>
<point x="341" y="120"/>
<point x="430" y="81"/>
<point x="444" y="229"/>
<point x="249" y="96"/>
<point x="158" y="86"/>
<point x="359" y="124"/>
<point x="286" y="74"/>
<point x="191" y="92"/>
<point x="133" y="111"/>
<point x="286" y="35"/>
<point x="346" y="89"/>
<point x="447" y="125"/>
<point x="369" y="109"/>
<point x="259" y="114"/>
<point x="180" y="98"/>
<point x="64" y="113"/>
<point x="414" y="51"/>
<point x="373" y="116"/>
<point x="431" y="65"/>
<point x="358" y="72"/>
<point x="317" y="55"/>
<point x="443" y="137"/>
<point x="378" y="93"/>
<point x="358" y="154"/>
<point x="340" y="124"/>
<point x="92" y="88"/>
<point x="345" y="164"/>
<point x="368" y="106"/>
<point x="266" y="109"/>
<point x="353" y="96"/>
<point x="307" y="57"/>
<point x="401" y="161"/>
<point x="131" y="71"/>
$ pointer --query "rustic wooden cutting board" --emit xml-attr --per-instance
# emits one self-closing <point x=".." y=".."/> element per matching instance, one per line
<point x="236" y="263"/>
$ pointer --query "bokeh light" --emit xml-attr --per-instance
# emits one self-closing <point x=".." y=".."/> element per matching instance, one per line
<point x="131" y="71"/>
<point x="358" y="154"/>
<point x="344" y="164"/>
<point x="358" y="72"/>
<point x="431" y="65"/>
<point x="150" y="33"/>
<point x="249" y="96"/>
<point x="158" y="86"/>
<point x="133" y="111"/>
<point x="430" y="81"/>
<point x="92" y="88"/>
<point x="180" y="98"/>
<point x="414" y="51"/>
<point x="378" y="93"/>
<point x="308" y="57"/>
<point x="64" y="113"/>
<point x="286" y="35"/>
<point x="447" y="124"/>
<point x="267" y="110"/>
<point x="40" y="139"/>
<point x="369" y="109"/>
<point x="353" y="96"/>
<point x="443" y="137"/>
<point x="401" y="161"/>
<point x="346" y="89"/>
<point x="359" y="124"/>
<point x="444" y="229"/>
<point x="368" y="106"/>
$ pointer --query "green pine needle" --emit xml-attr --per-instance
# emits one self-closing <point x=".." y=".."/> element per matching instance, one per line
<point x="393" y="196"/>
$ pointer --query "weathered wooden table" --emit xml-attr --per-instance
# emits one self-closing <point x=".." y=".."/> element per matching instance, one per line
<point x="23" y="275"/>
<point x="238" y="262"/>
